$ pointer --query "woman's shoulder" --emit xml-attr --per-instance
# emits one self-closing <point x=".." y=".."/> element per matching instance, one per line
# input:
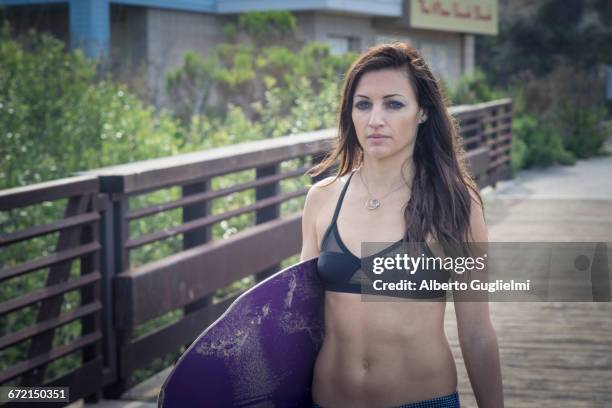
<point x="317" y="201"/>
<point x="325" y="190"/>
<point x="329" y="185"/>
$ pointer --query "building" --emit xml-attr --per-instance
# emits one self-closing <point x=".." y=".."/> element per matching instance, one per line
<point x="158" y="32"/>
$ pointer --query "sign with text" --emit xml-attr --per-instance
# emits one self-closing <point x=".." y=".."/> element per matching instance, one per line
<point x="468" y="16"/>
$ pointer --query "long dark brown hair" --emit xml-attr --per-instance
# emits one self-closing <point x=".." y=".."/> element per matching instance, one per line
<point x="440" y="199"/>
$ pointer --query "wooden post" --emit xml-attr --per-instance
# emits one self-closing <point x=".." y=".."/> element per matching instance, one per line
<point x="199" y="236"/>
<point x="269" y="213"/>
<point x="107" y="270"/>
<point x="121" y="230"/>
<point x="91" y="293"/>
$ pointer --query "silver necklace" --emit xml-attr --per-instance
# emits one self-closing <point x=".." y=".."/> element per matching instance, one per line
<point x="372" y="203"/>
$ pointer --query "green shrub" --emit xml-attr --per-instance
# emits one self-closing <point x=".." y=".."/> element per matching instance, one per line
<point x="244" y="76"/>
<point x="189" y="86"/>
<point x="518" y="154"/>
<point x="472" y="89"/>
<point x="545" y="129"/>
<point x="581" y="129"/>
<point x="58" y="118"/>
<point x="542" y="145"/>
<point x="268" y="26"/>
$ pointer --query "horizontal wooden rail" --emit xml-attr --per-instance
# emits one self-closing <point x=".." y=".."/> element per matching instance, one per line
<point x="478" y="161"/>
<point x="32" y="331"/>
<point x="499" y="161"/>
<point x="213" y="219"/>
<point x="48" y="292"/>
<point x="476" y="126"/>
<point x="80" y="380"/>
<point x="503" y="118"/>
<point x="199" y="198"/>
<point x="36" y="231"/>
<point x="188" y="168"/>
<point x="49" y="260"/>
<point x="195" y="273"/>
<point x="46" y="358"/>
<point x="472" y="139"/>
<point x="49" y="191"/>
<point x="142" y="350"/>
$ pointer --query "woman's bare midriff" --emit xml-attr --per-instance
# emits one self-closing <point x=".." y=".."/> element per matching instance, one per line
<point x="382" y="353"/>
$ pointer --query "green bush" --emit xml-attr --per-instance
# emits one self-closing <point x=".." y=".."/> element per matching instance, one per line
<point x="189" y="86"/>
<point x="537" y="144"/>
<point x="576" y="35"/>
<point x="545" y="130"/>
<point x="244" y="76"/>
<point x="58" y="118"/>
<point x="471" y="89"/>
<point x="268" y="26"/>
<point x="518" y="154"/>
<point x="581" y="129"/>
<point x="553" y="58"/>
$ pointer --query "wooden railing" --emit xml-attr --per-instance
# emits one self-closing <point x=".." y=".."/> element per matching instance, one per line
<point x="77" y="247"/>
<point x="120" y="296"/>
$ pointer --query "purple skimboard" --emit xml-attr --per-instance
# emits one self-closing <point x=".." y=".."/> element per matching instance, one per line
<point x="260" y="352"/>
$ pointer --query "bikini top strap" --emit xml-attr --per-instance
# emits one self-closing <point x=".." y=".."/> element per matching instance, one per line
<point x="341" y="199"/>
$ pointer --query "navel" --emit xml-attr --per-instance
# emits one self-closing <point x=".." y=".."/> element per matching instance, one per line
<point x="366" y="364"/>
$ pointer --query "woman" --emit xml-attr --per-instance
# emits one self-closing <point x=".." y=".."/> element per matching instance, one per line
<point x="400" y="175"/>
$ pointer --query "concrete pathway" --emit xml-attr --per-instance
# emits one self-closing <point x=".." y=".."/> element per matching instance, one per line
<point x="588" y="179"/>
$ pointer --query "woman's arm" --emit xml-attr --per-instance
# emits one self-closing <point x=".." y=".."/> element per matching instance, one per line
<point x="477" y="337"/>
<point x="310" y="246"/>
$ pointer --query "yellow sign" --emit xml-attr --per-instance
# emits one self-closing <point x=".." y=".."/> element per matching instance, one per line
<point x="468" y="16"/>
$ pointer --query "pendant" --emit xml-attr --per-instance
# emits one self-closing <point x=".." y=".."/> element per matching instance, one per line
<point x="372" y="203"/>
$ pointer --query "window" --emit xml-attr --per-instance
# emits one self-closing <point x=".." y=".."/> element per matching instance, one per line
<point x="340" y="44"/>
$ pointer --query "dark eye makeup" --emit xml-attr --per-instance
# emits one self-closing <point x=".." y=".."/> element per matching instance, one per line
<point x="395" y="104"/>
<point x="361" y="105"/>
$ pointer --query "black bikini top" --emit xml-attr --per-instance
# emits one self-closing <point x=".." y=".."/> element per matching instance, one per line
<point x="341" y="270"/>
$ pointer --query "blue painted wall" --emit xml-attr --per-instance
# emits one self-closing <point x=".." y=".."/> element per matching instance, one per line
<point x="390" y="8"/>
<point x="369" y="7"/>
<point x="29" y="2"/>
<point x="208" y="6"/>
<point x="90" y="19"/>
<point x="90" y="26"/>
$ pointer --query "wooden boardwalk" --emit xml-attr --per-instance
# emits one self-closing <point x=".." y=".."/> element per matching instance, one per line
<point x="553" y="354"/>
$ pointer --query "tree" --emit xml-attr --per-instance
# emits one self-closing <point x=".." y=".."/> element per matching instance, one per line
<point x="58" y="117"/>
<point x="576" y="34"/>
<point x="241" y="73"/>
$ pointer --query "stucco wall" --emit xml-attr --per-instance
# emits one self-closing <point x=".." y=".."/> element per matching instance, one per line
<point x="443" y="51"/>
<point x="128" y="36"/>
<point x="163" y="36"/>
<point x="343" y="25"/>
<point x="449" y="54"/>
<point x="171" y="33"/>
